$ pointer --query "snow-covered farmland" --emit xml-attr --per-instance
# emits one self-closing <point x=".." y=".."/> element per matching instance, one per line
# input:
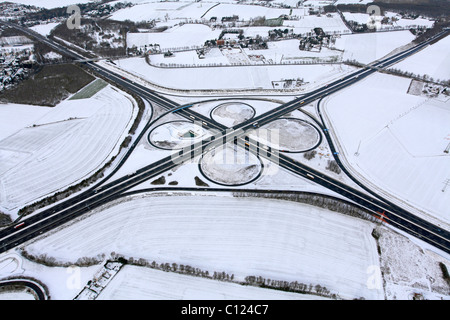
<point x="186" y="35"/>
<point x="275" y="239"/>
<point x="163" y="11"/>
<point x="396" y="142"/>
<point x="11" y="122"/>
<point x="368" y="47"/>
<point x="331" y="23"/>
<point x="232" y="78"/>
<point x="245" y="12"/>
<point x="433" y="61"/>
<point x="66" y="145"/>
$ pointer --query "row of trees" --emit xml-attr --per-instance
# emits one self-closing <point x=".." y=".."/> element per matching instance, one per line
<point x="173" y="267"/>
<point x="290" y="286"/>
<point x="318" y="200"/>
<point x="51" y="261"/>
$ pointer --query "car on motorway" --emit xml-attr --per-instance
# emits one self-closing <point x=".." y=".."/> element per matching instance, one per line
<point x="20" y="225"/>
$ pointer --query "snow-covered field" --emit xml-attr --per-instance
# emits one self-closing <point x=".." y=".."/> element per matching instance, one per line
<point x="67" y="144"/>
<point x="332" y="23"/>
<point x="245" y="12"/>
<point x="44" y="29"/>
<point x="186" y="35"/>
<point x="275" y="239"/>
<point x="50" y="4"/>
<point x="363" y="18"/>
<point x="396" y="141"/>
<point x="433" y="61"/>
<point x="232" y="78"/>
<point x="368" y="47"/>
<point x="163" y="11"/>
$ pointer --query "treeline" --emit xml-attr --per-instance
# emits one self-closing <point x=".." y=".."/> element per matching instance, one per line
<point x="173" y="267"/>
<point x="432" y="9"/>
<point x="318" y="200"/>
<point x="290" y="286"/>
<point x="4" y="219"/>
<point x="438" y="26"/>
<point x="51" y="261"/>
<point x="61" y="12"/>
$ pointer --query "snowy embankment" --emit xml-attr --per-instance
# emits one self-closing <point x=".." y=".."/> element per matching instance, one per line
<point x="68" y="144"/>
<point x="395" y="142"/>
<point x="275" y="239"/>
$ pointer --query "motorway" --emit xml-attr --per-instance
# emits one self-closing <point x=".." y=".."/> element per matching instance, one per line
<point x="94" y="197"/>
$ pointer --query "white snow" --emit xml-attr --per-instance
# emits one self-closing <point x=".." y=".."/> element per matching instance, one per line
<point x="245" y="12"/>
<point x="229" y="78"/>
<point x="400" y="139"/>
<point x="307" y="23"/>
<point x="433" y="61"/>
<point x="68" y="144"/>
<point x="275" y="239"/>
<point x="44" y="29"/>
<point x="186" y="35"/>
<point x="17" y="116"/>
<point x="368" y="47"/>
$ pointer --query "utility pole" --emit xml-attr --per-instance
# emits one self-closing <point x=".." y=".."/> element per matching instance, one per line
<point x="357" y="151"/>
<point x="446" y="184"/>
